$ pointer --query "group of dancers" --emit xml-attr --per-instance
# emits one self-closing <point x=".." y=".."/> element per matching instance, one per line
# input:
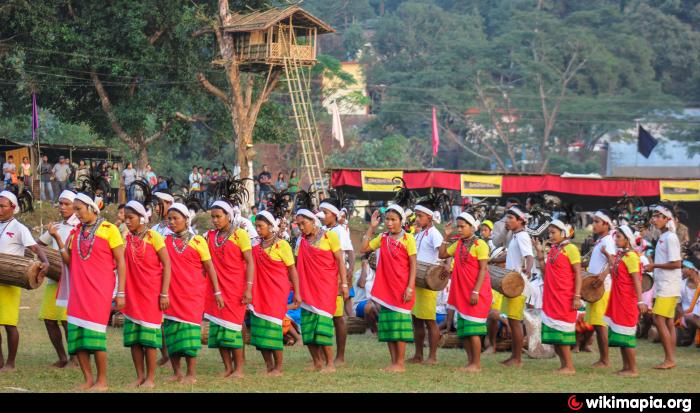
<point x="239" y="275"/>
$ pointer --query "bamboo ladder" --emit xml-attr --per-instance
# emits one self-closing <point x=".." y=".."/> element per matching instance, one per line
<point x="299" y="84"/>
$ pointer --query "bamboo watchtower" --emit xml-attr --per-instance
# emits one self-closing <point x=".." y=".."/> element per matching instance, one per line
<point x="285" y="38"/>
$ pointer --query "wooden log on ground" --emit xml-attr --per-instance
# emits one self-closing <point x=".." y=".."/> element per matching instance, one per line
<point x="647" y="281"/>
<point x="205" y="332"/>
<point x="20" y="271"/>
<point x="55" y="261"/>
<point x="450" y="340"/>
<point x="118" y="320"/>
<point x="246" y="335"/>
<point x="356" y="325"/>
<point x="509" y="283"/>
<point x="432" y="276"/>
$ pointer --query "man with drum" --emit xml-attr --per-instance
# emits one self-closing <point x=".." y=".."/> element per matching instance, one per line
<point x="55" y="302"/>
<point x="14" y="239"/>
<point x="519" y="255"/>
<point x="424" y="312"/>
<point x="598" y="264"/>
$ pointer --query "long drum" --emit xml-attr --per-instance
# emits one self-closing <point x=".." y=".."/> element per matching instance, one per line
<point x="589" y="292"/>
<point x="431" y="276"/>
<point x="20" y="271"/>
<point x="356" y="325"/>
<point x="647" y="281"/>
<point x="450" y="340"/>
<point x="509" y="283"/>
<point x="55" y="261"/>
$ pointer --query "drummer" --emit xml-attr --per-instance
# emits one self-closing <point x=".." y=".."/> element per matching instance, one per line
<point x="428" y="241"/>
<point x="14" y="238"/>
<point x="598" y="264"/>
<point x="53" y="306"/>
<point x="519" y="258"/>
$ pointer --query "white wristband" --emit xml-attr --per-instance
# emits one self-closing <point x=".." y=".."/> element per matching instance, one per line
<point x="217" y="293"/>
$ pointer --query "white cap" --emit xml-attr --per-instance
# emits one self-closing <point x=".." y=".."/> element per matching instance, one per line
<point x="139" y="209"/>
<point x="469" y="218"/>
<point x="12" y="198"/>
<point x="66" y="194"/>
<point x="87" y="200"/>
<point x="165" y="197"/>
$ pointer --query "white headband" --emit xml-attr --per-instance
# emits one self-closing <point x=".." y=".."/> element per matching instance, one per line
<point x="665" y="211"/>
<point x="308" y="214"/>
<point x="424" y="210"/>
<point x="139" y="209"/>
<point x="271" y="219"/>
<point x="331" y="208"/>
<point x="84" y="198"/>
<point x="321" y="215"/>
<point x="518" y="213"/>
<point x="397" y="208"/>
<point x="466" y="216"/>
<point x="66" y="194"/>
<point x="562" y="226"/>
<point x="182" y="208"/>
<point x="226" y="207"/>
<point x="627" y="232"/>
<point x="604" y="217"/>
<point x="12" y="198"/>
<point x="165" y="197"/>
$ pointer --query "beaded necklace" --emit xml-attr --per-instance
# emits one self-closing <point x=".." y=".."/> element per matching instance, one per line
<point x="616" y="263"/>
<point x="316" y="240"/>
<point x="184" y="237"/>
<point x="390" y="245"/>
<point x="137" y="244"/>
<point x="466" y="246"/>
<point x="272" y="244"/>
<point x="221" y="243"/>
<point x="90" y="238"/>
<point x="558" y="249"/>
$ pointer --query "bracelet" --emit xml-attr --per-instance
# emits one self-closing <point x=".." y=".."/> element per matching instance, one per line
<point x="163" y="295"/>
<point x="62" y="250"/>
<point x="409" y="288"/>
<point x="217" y="293"/>
<point x="640" y="302"/>
<point x="577" y="295"/>
<point x="446" y="242"/>
<point x="475" y="292"/>
<point x="250" y="283"/>
<point x="122" y="294"/>
<point x="344" y="285"/>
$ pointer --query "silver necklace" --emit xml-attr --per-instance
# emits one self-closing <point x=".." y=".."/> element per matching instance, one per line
<point x="90" y="238"/>
<point x="216" y="237"/>
<point x="184" y="237"/>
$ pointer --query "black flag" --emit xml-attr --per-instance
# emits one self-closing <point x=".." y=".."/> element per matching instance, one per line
<point x="645" y="142"/>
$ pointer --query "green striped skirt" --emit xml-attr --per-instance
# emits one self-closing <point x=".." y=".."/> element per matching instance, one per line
<point x="80" y="338"/>
<point x="621" y="340"/>
<point x="265" y="335"/>
<point x="136" y="334"/>
<point x="183" y="339"/>
<point x="316" y="329"/>
<point x="394" y="326"/>
<point x="467" y="328"/>
<point x="559" y="338"/>
<point x="222" y="337"/>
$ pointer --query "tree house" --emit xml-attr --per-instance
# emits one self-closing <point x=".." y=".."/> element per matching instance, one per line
<point x="285" y="38"/>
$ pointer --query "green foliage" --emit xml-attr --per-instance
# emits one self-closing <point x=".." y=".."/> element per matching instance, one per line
<point x="387" y="152"/>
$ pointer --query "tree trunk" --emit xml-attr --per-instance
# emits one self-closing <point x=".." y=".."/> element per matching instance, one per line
<point x="143" y="156"/>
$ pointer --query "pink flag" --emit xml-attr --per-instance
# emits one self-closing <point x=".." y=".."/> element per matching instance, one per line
<point x="436" y="136"/>
<point x="35" y="118"/>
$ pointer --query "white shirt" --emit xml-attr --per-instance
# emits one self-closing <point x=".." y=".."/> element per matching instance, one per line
<point x="248" y="226"/>
<point x="667" y="282"/>
<point x="164" y="230"/>
<point x="362" y="294"/>
<point x="343" y="236"/>
<point x="64" y="230"/>
<point x="15" y="238"/>
<point x="535" y="291"/>
<point x="428" y="244"/>
<point x="687" y="295"/>
<point x="520" y="246"/>
<point x="599" y="260"/>
<point x="442" y="299"/>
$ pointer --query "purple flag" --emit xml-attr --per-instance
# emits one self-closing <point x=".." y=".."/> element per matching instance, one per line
<point x="35" y="118"/>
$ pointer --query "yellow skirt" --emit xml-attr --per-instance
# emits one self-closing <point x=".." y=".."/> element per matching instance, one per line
<point x="339" y="306"/>
<point x="596" y="311"/>
<point x="49" y="309"/>
<point x="425" y="307"/>
<point x="665" y="306"/>
<point x="514" y="308"/>
<point x="9" y="305"/>
<point x="497" y="301"/>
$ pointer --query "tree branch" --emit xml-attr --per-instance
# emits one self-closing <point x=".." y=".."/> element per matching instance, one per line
<point x="213" y="89"/>
<point x="155" y="36"/>
<point x="166" y="127"/>
<point x="107" y="108"/>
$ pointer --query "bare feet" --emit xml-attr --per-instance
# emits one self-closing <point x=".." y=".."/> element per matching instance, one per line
<point x="163" y="361"/>
<point x="237" y="374"/>
<point x="328" y="369"/>
<point x="60" y="364"/>
<point x="394" y="368"/>
<point x="147" y="384"/>
<point x="566" y="371"/>
<point x="274" y="373"/>
<point x="7" y="368"/>
<point x="586" y="349"/>
<point x="490" y="350"/>
<point x="628" y="373"/>
<point x="189" y="380"/>
<point x="601" y="364"/>
<point x="512" y="362"/>
<point x="339" y="362"/>
<point x="415" y="360"/>
<point x="175" y="378"/>
<point x="226" y="373"/>
<point x="666" y="365"/>
<point x="72" y="363"/>
<point x="84" y="386"/>
<point x="469" y="369"/>
<point x="431" y="362"/>
<point x="137" y="383"/>
<point x="99" y="387"/>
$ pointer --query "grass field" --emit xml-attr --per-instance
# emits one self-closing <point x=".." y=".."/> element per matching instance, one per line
<point x="361" y="374"/>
